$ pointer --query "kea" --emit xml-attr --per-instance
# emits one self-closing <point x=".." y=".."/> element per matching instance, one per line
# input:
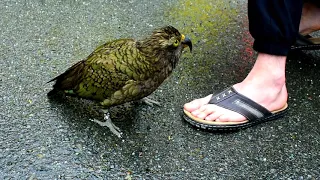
<point x="123" y="70"/>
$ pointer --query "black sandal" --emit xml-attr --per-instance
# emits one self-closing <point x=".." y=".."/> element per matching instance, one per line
<point x="306" y="43"/>
<point x="232" y="100"/>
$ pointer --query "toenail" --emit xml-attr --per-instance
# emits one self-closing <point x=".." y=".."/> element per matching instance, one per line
<point x="195" y="112"/>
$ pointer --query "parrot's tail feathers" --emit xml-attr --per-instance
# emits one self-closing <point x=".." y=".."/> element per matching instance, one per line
<point x="70" y="78"/>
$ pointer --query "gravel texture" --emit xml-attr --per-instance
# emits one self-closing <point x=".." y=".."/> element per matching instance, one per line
<point x="42" y="139"/>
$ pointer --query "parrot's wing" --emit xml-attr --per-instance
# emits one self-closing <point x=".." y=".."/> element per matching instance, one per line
<point x="97" y="76"/>
<point x="106" y="70"/>
<point x="113" y="47"/>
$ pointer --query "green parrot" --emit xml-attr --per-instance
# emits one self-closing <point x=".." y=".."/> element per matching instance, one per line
<point x="123" y="70"/>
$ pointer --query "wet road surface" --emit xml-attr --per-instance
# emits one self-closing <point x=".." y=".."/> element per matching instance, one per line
<point x="43" y="139"/>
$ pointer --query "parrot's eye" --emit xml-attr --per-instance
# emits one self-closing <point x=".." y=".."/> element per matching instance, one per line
<point x="176" y="43"/>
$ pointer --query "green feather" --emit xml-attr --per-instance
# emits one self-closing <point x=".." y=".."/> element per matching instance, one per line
<point x="123" y="70"/>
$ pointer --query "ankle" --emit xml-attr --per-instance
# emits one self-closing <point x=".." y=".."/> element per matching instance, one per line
<point x="269" y="70"/>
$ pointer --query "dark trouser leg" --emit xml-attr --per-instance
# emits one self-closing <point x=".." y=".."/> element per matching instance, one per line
<point x="274" y="24"/>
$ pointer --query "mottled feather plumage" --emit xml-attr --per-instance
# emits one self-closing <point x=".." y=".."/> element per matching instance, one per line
<point x="124" y="70"/>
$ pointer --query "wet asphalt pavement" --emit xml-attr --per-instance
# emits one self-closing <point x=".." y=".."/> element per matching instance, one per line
<point x="43" y="139"/>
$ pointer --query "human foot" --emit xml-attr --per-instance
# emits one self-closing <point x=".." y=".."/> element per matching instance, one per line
<point x="310" y="19"/>
<point x="271" y="99"/>
<point x="265" y="85"/>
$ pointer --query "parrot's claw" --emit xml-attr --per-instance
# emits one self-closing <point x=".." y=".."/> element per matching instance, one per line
<point x="113" y="128"/>
<point x="150" y="102"/>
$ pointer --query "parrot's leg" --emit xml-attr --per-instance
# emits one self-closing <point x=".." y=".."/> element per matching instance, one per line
<point x="150" y="102"/>
<point x="113" y="128"/>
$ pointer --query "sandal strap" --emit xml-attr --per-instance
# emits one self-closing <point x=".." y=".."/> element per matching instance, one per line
<point x="234" y="101"/>
<point x="306" y="42"/>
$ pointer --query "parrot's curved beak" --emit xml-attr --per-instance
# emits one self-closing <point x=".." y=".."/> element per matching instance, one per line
<point x="186" y="42"/>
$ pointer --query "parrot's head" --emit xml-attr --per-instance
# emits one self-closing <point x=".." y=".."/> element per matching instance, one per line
<point x="166" y="39"/>
<point x="170" y="38"/>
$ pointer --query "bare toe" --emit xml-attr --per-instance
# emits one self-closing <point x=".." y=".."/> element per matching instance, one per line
<point x="196" y="104"/>
<point x="204" y="111"/>
<point x="213" y="116"/>
<point x="228" y="116"/>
